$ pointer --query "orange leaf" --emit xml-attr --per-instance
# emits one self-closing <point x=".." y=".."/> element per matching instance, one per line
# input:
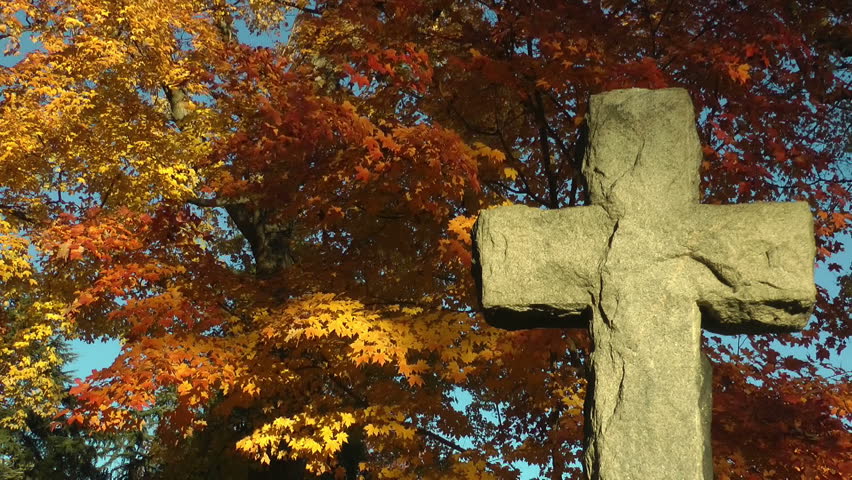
<point x="840" y="219"/>
<point x="415" y="381"/>
<point x="76" y="253"/>
<point x="362" y="174"/>
<point x="85" y="298"/>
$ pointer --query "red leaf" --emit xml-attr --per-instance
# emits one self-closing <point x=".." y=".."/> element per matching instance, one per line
<point x="794" y="364"/>
<point x="360" y="80"/>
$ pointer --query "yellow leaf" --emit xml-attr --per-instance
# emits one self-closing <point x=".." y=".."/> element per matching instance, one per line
<point x="510" y="173"/>
<point x="184" y="388"/>
<point x="71" y="22"/>
<point x="743" y="72"/>
<point x="739" y="73"/>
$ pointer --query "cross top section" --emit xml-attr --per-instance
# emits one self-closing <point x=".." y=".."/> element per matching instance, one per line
<point x="636" y="166"/>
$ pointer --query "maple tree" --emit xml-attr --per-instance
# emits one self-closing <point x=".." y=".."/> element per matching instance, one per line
<point x="280" y="236"/>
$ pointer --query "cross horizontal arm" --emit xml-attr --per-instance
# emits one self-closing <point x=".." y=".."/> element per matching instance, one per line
<point x="758" y="266"/>
<point x="540" y="268"/>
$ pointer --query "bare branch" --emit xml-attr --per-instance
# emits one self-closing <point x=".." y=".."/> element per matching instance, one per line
<point x="434" y="436"/>
<point x="310" y="10"/>
<point x="216" y="202"/>
<point x="17" y="212"/>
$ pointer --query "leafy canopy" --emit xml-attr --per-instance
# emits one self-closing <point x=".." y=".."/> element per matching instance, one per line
<point x="280" y="235"/>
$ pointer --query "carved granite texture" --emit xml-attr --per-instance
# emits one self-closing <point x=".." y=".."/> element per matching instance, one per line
<point x="645" y="267"/>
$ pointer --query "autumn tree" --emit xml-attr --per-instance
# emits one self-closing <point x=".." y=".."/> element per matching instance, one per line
<point x="32" y="447"/>
<point x="280" y="235"/>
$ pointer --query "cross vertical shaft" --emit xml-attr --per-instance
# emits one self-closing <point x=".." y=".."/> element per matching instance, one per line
<point x="651" y="398"/>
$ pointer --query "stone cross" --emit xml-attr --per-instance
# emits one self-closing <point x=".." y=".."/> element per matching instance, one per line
<point x="645" y="267"/>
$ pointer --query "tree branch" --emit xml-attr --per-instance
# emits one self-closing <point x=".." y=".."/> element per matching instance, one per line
<point x="508" y="152"/>
<point x="544" y="145"/>
<point x="17" y="212"/>
<point x="434" y="436"/>
<point x="310" y="10"/>
<point x="468" y="125"/>
<point x="217" y="203"/>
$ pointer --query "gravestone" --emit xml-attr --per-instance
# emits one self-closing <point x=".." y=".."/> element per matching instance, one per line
<point x="645" y="267"/>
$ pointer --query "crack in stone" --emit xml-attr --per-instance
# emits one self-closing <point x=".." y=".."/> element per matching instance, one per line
<point x="505" y="250"/>
<point x="619" y="395"/>
<point x="601" y="266"/>
<point x="628" y="172"/>
<point x="769" y="284"/>
<point x="714" y="269"/>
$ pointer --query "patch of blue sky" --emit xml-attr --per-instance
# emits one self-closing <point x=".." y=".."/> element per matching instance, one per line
<point x="461" y="400"/>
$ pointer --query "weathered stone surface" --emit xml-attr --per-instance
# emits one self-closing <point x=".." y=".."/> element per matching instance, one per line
<point x="533" y="273"/>
<point x="645" y="267"/>
<point x="762" y="259"/>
